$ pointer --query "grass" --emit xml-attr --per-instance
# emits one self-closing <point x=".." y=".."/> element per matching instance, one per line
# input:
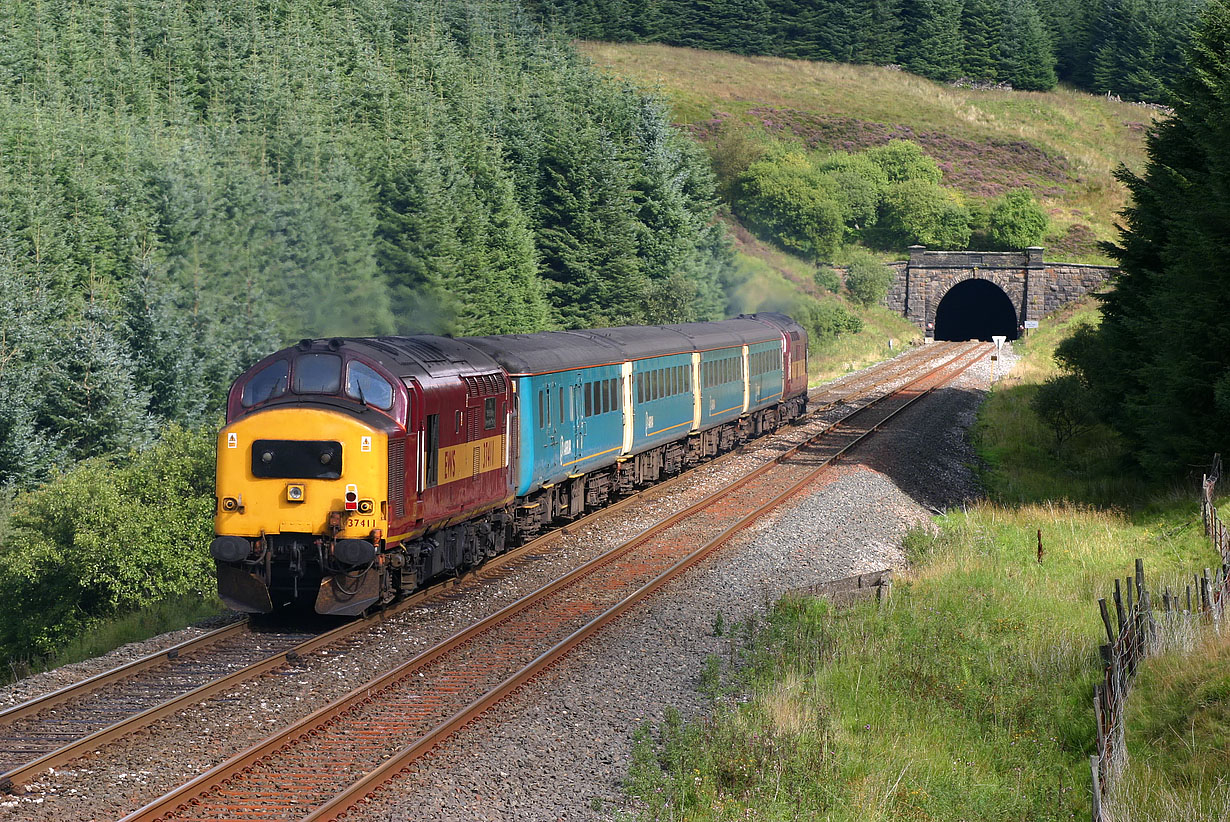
<point x="1065" y="145"/>
<point x="1179" y="737"/>
<point x="967" y="694"/>
<point x="170" y="615"/>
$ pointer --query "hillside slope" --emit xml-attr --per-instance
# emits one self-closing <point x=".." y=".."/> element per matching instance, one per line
<point x="1063" y="145"/>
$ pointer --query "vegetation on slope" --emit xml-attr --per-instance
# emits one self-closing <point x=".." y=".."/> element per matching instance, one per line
<point x="1158" y="366"/>
<point x="189" y="186"/>
<point x="1130" y="48"/>
<point x="1062" y="146"/>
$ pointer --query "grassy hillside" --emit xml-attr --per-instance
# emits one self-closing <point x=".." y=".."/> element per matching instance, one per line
<point x="1064" y="145"/>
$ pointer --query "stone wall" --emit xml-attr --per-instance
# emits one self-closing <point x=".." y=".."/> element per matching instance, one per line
<point x="1035" y="287"/>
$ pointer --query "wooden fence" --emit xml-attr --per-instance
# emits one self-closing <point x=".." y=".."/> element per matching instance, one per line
<point x="1137" y="635"/>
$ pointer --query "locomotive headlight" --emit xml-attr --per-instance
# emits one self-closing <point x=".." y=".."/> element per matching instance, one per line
<point x="230" y="504"/>
<point x="294" y="492"/>
<point x="366" y="506"/>
<point x="352" y="498"/>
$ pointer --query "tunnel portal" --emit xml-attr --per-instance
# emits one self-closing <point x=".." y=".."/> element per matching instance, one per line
<point x="975" y="310"/>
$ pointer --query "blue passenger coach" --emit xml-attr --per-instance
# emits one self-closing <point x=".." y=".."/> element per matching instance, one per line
<point x="569" y="399"/>
<point x="602" y="411"/>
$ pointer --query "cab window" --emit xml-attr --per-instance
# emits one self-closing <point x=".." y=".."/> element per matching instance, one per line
<point x="266" y="384"/>
<point x="365" y="385"/>
<point x="318" y="374"/>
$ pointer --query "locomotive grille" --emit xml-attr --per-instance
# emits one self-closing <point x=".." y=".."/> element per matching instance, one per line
<point x="484" y="385"/>
<point x="397" y="477"/>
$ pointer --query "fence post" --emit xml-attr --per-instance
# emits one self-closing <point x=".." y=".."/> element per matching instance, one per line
<point x="1097" y="789"/>
<point x="1110" y="633"/>
<point x="1119" y="606"/>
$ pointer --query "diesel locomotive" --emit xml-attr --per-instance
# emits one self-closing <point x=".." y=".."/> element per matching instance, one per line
<point x="354" y="470"/>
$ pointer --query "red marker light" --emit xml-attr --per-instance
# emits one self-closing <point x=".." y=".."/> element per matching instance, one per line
<point x="352" y="498"/>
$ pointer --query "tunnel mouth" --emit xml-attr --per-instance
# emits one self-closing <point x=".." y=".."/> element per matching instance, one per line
<point x="975" y="310"/>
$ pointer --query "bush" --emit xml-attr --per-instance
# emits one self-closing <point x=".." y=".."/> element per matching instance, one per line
<point x="1065" y="406"/>
<point x="924" y="213"/>
<point x="867" y="278"/>
<point x="732" y="153"/>
<point x="105" y="539"/>
<point x="828" y="279"/>
<point x="785" y="200"/>
<point x="828" y="320"/>
<point x="903" y="161"/>
<point x="1017" y="221"/>
<point x="859" y="183"/>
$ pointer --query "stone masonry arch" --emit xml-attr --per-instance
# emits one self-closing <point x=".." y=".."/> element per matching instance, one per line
<point x="939" y="287"/>
<point x="1034" y="287"/>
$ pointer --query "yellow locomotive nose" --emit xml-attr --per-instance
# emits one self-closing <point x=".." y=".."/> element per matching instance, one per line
<point x="300" y="503"/>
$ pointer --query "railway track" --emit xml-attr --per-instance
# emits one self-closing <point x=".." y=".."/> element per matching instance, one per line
<point x="373" y="734"/>
<point x="52" y="730"/>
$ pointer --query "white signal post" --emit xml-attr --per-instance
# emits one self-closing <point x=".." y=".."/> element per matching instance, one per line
<point x="999" y="340"/>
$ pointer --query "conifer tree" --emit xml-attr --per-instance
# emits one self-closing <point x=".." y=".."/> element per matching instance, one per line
<point x="981" y="27"/>
<point x="1026" y="60"/>
<point x="1158" y="361"/>
<point x="933" y="41"/>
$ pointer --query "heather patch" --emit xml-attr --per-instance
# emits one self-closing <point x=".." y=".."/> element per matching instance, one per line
<point x="1077" y="242"/>
<point x="981" y="168"/>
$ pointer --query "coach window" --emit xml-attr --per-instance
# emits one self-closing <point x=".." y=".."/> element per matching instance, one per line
<point x="266" y="384"/>
<point x="489" y="413"/>
<point x="589" y="399"/>
<point x="368" y="387"/>
<point x="318" y="374"/>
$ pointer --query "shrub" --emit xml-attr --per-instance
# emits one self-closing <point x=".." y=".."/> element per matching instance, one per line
<point x="867" y="278"/>
<point x="903" y="161"/>
<point x="785" y="200"/>
<point x="1016" y="220"/>
<point x="827" y="279"/>
<point x="105" y="539"/>
<point x="1065" y="406"/>
<point x="732" y="152"/>
<point x="859" y="182"/>
<point x="922" y="212"/>
<point x="828" y="320"/>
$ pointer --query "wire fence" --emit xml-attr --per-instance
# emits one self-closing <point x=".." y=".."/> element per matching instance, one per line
<point x="1142" y="625"/>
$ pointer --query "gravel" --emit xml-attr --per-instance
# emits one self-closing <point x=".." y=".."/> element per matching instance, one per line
<point x="560" y="748"/>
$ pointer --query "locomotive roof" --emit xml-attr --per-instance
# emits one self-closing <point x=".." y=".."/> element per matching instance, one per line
<point x="775" y="318"/>
<point x="551" y="351"/>
<point x="417" y="356"/>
